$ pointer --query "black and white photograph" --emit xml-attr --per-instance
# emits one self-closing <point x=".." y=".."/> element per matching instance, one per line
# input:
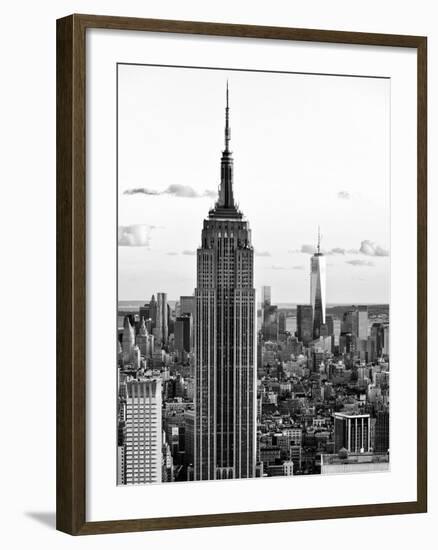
<point x="222" y="216"/>
<point x="253" y="267"/>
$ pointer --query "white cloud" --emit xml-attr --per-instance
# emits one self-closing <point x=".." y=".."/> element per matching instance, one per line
<point x="359" y="263"/>
<point x="305" y="249"/>
<point x="175" y="189"/>
<point x="368" y="248"/>
<point x="135" y="235"/>
<point x="337" y="250"/>
<point x="372" y="249"/>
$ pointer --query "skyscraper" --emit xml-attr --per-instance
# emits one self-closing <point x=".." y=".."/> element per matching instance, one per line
<point x="362" y="322"/>
<point x="377" y="332"/>
<point x="266" y="295"/>
<point x="128" y="340"/>
<point x="143" y="432"/>
<point x="349" y="322"/>
<point x="153" y="311"/>
<point x="183" y="331"/>
<point x="329" y="321"/>
<point x="317" y="288"/>
<point x="304" y="323"/>
<point x="352" y="432"/>
<point x="144" y="340"/>
<point x="381" y="443"/>
<point x="385" y="339"/>
<point x="162" y="318"/>
<point x="187" y="305"/>
<point x="145" y="312"/>
<point x="225" y="338"/>
<point x="270" y="326"/>
<point x="281" y="322"/>
<point x="266" y="301"/>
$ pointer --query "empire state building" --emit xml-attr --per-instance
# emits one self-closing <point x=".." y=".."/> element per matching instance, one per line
<point x="225" y="338"/>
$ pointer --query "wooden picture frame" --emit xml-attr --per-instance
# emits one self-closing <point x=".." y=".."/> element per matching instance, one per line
<point x="71" y="273"/>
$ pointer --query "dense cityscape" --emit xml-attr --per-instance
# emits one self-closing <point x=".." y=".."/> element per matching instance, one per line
<point x="217" y="385"/>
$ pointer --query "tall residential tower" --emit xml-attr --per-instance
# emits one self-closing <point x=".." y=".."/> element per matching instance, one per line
<point x="140" y="445"/>
<point x="225" y="338"/>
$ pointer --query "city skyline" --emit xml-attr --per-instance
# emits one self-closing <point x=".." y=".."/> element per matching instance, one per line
<point x="350" y="197"/>
<point x="205" y="393"/>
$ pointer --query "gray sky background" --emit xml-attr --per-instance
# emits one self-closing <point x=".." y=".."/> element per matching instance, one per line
<point x="308" y="150"/>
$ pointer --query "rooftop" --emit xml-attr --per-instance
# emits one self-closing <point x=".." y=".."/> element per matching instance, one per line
<point x="359" y="458"/>
<point x="351" y="415"/>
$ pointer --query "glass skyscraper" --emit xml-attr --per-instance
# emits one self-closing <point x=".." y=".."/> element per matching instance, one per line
<point x="317" y="288"/>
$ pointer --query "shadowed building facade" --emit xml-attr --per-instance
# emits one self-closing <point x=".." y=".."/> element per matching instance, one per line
<point x="162" y="330"/>
<point x="225" y="339"/>
<point x="352" y="432"/>
<point x="305" y="323"/>
<point x="266" y="301"/>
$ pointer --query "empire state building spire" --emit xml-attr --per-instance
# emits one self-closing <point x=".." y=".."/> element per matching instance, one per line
<point x="225" y="205"/>
<point x="227" y="123"/>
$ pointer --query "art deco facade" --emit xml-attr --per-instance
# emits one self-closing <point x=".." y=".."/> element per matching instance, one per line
<point x="225" y="339"/>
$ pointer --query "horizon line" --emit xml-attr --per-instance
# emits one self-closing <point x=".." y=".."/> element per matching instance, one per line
<point x="329" y="304"/>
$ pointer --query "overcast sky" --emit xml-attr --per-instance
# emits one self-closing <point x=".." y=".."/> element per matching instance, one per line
<point x="307" y="149"/>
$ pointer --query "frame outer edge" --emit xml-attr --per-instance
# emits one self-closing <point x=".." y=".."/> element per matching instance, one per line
<point x="248" y="31"/>
<point x="64" y="124"/>
<point x="422" y="275"/>
<point x="71" y="280"/>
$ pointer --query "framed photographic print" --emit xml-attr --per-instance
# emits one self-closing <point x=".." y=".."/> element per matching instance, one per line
<point x="241" y="274"/>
